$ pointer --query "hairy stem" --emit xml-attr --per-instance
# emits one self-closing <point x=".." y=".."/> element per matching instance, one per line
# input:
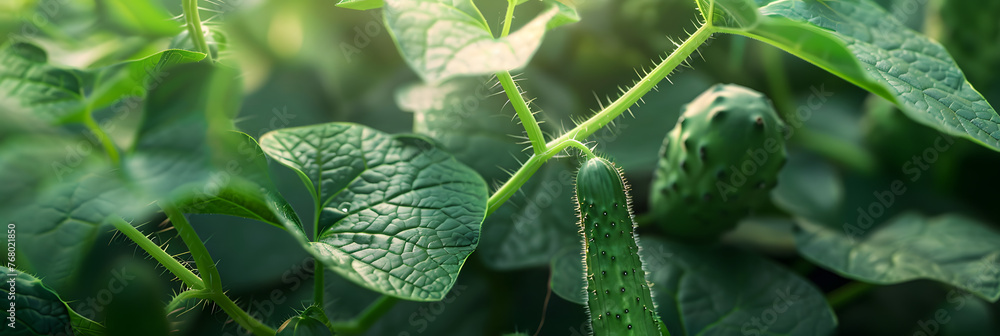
<point x="362" y="322"/>
<point x="645" y="84"/>
<point x="523" y="112"/>
<point x="176" y="302"/>
<point x="206" y="266"/>
<point x="599" y="120"/>
<point x="193" y="22"/>
<point x="161" y="256"/>
<point x="202" y="259"/>
<point x="508" y="17"/>
<point x="109" y="146"/>
<point x="514" y="93"/>
<point x="240" y="316"/>
<point x="529" y="168"/>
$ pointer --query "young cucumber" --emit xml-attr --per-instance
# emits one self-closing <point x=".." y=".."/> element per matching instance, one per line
<point x="618" y="297"/>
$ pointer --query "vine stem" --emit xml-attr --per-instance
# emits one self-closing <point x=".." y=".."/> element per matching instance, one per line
<point x="179" y="299"/>
<point x="362" y="322"/>
<point x="508" y="17"/>
<point x="579" y="133"/>
<point x="523" y="112"/>
<point x="206" y="266"/>
<point x="161" y="256"/>
<point x="529" y="168"/>
<point x="531" y="127"/>
<point x="202" y="259"/>
<point x="109" y="146"/>
<point x="192" y="20"/>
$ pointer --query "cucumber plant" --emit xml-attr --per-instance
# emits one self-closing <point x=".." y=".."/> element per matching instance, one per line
<point x="110" y="142"/>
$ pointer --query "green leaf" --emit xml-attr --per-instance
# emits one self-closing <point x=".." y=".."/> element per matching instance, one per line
<point x="59" y="227"/>
<point x="40" y="311"/>
<point x="467" y="119"/>
<point x="565" y="14"/>
<point x="815" y="45"/>
<point x="718" y="290"/>
<point x="170" y="158"/>
<point x="243" y="188"/>
<point x="396" y="214"/>
<point x="108" y="84"/>
<point x="707" y="290"/>
<point x="913" y="71"/>
<point x="360" y="4"/>
<point x="441" y="39"/>
<point x="145" y="17"/>
<point x="29" y="85"/>
<point x="953" y="249"/>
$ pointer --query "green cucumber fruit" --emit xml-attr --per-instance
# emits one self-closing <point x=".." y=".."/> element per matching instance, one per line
<point x="719" y="162"/>
<point x="618" y="297"/>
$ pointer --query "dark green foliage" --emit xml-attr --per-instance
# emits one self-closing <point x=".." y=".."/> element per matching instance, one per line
<point x="718" y="163"/>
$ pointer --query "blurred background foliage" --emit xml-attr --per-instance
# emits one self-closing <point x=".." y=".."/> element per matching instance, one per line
<point x="307" y="61"/>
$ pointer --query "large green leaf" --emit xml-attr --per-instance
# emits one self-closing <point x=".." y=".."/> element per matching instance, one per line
<point x="441" y="39"/>
<point x="716" y="290"/>
<point x="953" y="249"/>
<point x="108" y="84"/>
<point x="59" y="227"/>
<point x="468" y="119"/>
<point x="242" y="187"/>
<point x="396" y="214"/>
<point x="39" y="310"/>
<point x="187" y="152"/>
<point x="28" y="84"/>
<point x="913" y="71"/>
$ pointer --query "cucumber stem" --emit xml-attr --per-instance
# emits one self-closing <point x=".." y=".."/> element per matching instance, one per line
<point x="599" y="120"/>
<point x="161" y="256"/>
<point x="192" y="20"/>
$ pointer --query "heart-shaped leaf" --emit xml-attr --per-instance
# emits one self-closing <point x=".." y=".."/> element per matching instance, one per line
<point x="953" y="249"/>
<point x="395" y="213"/>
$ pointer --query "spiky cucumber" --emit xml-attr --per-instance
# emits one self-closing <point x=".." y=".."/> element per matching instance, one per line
<point x="719" y="162"/>
<point x="618" y="296"/>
